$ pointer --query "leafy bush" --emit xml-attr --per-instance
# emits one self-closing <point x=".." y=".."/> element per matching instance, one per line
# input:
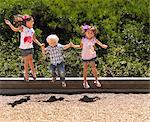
<point x="123" y="25"/>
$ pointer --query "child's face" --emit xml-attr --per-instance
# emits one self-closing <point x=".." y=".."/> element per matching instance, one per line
<point x="89" y="34"/>
<point x="30" y="23"/>
<point x="52" y="42"/>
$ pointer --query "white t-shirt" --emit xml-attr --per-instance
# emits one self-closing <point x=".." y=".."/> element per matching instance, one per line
<point x="26" y="40"/>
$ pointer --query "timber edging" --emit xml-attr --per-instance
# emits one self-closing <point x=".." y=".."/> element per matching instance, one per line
<point x="12" y="86"/>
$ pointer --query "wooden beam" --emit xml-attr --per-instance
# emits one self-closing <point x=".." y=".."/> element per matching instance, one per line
<point x="12" y="86"/>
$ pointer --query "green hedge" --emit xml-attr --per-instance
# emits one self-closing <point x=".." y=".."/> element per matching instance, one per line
<point x="123" y="25"/>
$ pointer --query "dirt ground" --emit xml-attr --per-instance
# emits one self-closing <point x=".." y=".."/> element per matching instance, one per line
<point x="104" y="107"/>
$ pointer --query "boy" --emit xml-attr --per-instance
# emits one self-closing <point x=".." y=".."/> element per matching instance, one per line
<point x="55" y="52"/>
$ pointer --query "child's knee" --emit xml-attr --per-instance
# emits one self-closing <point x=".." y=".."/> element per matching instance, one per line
<point x="52" y="71"/>
<point x="62" y="73"/>
<point x="93" y="65"/>
<point x="94" y="68"/>
<point x="85" y="66"/>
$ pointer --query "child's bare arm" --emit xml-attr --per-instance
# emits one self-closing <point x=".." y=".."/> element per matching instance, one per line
<point x="67" y="46"/>
<point x="100" y="44"/>
<point x="12" y="27"/>
<point x="77" y="46"/>
<point x="36" y="41"/>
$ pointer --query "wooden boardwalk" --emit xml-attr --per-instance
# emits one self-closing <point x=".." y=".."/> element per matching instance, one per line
<point x="14" y="86"/>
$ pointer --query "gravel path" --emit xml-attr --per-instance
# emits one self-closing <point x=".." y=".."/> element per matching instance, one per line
<point x="104" y="108"/>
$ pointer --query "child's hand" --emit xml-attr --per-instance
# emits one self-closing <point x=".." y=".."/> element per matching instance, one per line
<point x="7" y="22"/>
<point x="104" y="46"/>
<point x="42" y="45"/>
<point x="71" y="44"/>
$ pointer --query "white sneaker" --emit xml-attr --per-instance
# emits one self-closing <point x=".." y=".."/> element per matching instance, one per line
<point x="63" y="84"/>
<point x="97" y="83"/>
<point x="86" y="85"/>
<point x="53" y="79"/>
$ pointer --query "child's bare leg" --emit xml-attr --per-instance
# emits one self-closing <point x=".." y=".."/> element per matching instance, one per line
<point x="25" y="59"/>
<point x="94" y="70"/>
<point x="85" y="83"/>
<point x="85" y="70"/>
<point x="31" y="64"/>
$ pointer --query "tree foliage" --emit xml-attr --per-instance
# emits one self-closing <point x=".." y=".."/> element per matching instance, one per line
<point x="122" y="24"/>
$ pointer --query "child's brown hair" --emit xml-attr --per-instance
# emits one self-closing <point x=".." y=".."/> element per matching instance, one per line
<point x="85" y="27"/>
<point x="21" y="19"/>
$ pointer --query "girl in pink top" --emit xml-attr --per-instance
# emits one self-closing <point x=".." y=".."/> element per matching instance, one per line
<point x="88" y="52"/>
<point x="26" y="41"/>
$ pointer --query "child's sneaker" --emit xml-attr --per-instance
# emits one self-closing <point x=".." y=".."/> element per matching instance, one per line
<point x="97" y="83"/>
<point x="53" y="79"/>
<point x="63" y="83"/>
<point x="26" y="80"/>
<point x="86" y="85"/>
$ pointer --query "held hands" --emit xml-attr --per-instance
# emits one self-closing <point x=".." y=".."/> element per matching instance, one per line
<point x="74" y="46"/>
<point x="68" y="45"/>
<point x="42" y="45"/>
<point x="7" y="22"/>
<point x="71" y="44"/>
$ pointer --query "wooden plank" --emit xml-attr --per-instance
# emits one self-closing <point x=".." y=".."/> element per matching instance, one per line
<point x="74" y="85"/>
<point x="81" y="78"/>
<point x="69" y="91"/>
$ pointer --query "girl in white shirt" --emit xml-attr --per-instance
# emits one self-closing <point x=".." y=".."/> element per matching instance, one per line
<point x="26" y="42"/>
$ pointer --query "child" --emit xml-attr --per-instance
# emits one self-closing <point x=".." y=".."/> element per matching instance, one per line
<point x="26" y="41"/>
<point x="55" y="52"/>
<point x="88" y="52"/>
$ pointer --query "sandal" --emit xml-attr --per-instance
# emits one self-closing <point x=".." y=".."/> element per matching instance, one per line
<point x="53" y="79"/>
<point x="86" y="85"/>
<point x="97" y="83"/>
<point x="34" y="78"/>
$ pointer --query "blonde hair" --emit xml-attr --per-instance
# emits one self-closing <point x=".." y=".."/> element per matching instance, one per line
<point x="52" y="37"/>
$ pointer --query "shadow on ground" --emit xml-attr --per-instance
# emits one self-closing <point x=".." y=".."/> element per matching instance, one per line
<point x="89" y="99"/>
<point x="22" y="100"/>
<point x="53" y="99"/>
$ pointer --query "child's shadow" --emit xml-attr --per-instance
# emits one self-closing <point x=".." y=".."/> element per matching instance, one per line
<point x="89" y="99"/>
<point x="22" y="100"/>
<point x="53" y="99"/>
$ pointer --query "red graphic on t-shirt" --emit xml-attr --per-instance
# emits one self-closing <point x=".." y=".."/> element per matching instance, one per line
<point x="28" y="39"/>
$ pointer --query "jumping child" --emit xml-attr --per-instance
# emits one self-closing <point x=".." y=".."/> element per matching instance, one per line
<point x="88" y="52"/>
<point x="55" y="51"/>
<point x="26" y="41"/>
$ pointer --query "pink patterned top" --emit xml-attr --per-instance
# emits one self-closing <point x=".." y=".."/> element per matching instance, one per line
<point x="88" y="51"/>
